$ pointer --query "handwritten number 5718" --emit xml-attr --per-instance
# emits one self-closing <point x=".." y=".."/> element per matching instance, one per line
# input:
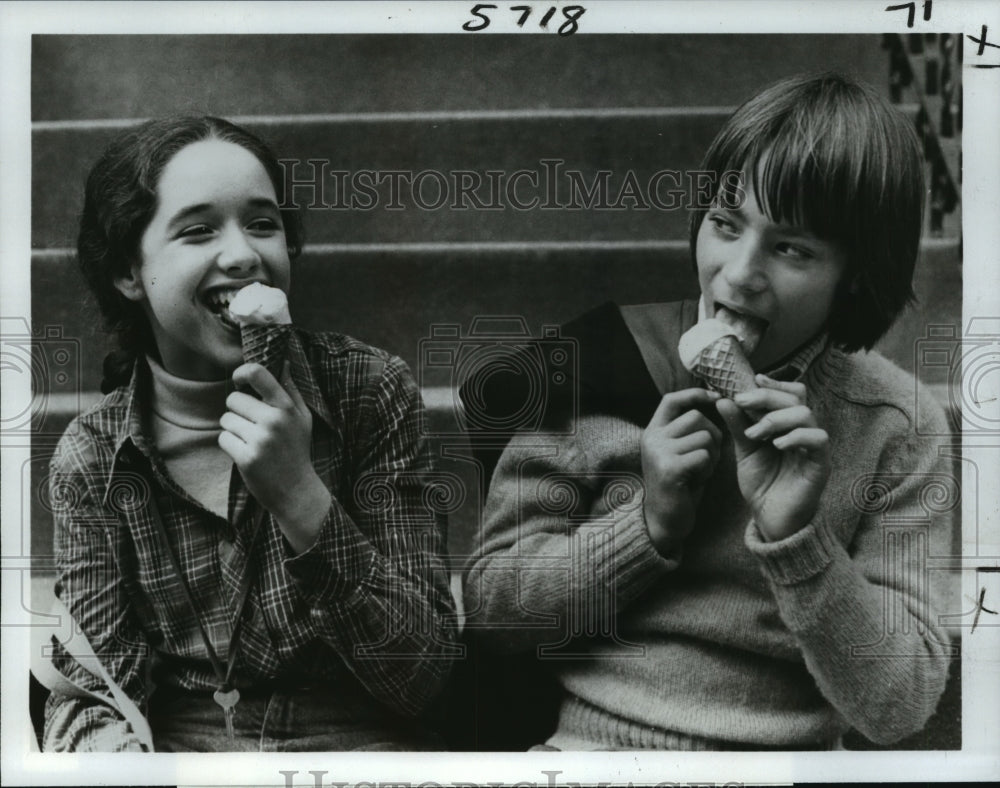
<point x="571" y="15"/>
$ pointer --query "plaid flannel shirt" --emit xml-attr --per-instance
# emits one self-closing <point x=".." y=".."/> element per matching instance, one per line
<point x="367" y="608"/>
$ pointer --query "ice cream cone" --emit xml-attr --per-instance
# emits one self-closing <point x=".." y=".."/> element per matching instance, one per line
<point x="266" y="345"/>
<point x="711" y="351"/>
<point x="724" y="368"/>
<point x="265" y="325"/>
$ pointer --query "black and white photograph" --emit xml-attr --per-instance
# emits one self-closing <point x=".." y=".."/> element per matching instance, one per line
<point x="456" y="393"/>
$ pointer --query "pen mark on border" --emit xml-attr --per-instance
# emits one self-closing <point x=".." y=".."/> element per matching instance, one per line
<point x="980" y="608"/>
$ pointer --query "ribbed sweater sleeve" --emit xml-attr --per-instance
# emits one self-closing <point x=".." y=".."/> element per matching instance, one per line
<point x="862" y="615"/>
<point x="565" y="545"/>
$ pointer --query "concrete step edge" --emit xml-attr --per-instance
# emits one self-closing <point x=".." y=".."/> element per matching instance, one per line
<point x="425" y="116"/>
<point x="436" y="116"/>
<point x="58" y="254"/>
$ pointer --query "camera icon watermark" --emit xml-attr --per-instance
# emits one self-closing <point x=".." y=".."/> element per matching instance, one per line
<point x="499" y="379"/>
<point x="963" y="371"/>
<point x="50" y="363"/>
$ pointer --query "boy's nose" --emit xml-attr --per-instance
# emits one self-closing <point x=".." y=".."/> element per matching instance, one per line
<point x="745" y="269"/>
<point x="237" y="253"/>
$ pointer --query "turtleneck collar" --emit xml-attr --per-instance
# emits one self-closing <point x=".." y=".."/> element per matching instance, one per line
<point x="191" y="404"/>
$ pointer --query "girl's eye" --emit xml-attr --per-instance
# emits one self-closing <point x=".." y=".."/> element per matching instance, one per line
<point x="264" y="225"/>
<point x="195" y="231"/>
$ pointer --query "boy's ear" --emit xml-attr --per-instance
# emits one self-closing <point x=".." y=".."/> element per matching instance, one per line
<point x="130" y="285"/>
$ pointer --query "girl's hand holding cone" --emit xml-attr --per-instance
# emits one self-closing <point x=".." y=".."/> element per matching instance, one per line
<point x="269" y="440"/>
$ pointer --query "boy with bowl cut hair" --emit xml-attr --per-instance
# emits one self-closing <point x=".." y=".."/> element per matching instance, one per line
<point x="747" y="596"/>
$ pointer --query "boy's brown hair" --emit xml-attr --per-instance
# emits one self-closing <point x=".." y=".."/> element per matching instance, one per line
<point x="829" y="154"/>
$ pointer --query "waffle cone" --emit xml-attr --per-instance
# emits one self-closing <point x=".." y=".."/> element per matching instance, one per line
<point x="724" y="367"/>
<point x="266" y="345"/>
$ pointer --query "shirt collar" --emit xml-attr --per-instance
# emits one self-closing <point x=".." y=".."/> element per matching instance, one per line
<point x="795" y="366"/>
<point x="305" y="380"/>
<point x="792" y="367"/>
<point x="130" y="431"/>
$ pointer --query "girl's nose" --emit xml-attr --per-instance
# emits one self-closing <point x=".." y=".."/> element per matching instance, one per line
<point x="745" y="269"/>
<point x="237" y="254"/>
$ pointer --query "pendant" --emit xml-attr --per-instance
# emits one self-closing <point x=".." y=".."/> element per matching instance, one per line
<point x="227" y="700"/>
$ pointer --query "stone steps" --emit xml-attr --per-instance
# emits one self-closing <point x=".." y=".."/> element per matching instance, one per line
<point x="83" y="77"/>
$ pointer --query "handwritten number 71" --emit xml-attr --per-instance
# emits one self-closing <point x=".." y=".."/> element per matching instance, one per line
<point x="911" y="9"/>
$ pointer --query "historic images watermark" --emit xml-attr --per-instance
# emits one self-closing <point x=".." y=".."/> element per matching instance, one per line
<point x="50" y="361"/>
<point x="964" y="368"/>
<point x="318" y="778"/>
<point x="316" y="185"/>
<point x="535" y="372"/>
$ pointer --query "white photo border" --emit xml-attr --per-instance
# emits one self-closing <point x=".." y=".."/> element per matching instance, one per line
<point x="979" y="758"/>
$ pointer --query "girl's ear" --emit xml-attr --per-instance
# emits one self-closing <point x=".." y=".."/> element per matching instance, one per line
<point x="130" y="285"/>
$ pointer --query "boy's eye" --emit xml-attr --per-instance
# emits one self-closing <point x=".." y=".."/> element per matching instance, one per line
<point x="721" y="223"/>
<point x="794" y="251"/>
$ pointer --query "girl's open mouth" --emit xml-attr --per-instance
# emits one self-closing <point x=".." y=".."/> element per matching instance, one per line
<point x="218" y="301"/>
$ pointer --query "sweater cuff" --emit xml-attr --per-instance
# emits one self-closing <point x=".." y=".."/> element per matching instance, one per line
<point x="795" y="558"/>
<point x="636" y="560"/>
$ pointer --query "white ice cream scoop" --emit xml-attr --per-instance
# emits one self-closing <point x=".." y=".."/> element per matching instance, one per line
<point x="700" y="336"/>
<point x="747" y="329"/>
<point x="260" y="305"/>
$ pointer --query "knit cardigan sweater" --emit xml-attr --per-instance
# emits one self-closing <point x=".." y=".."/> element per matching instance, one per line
<point x="740" y="641"/>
